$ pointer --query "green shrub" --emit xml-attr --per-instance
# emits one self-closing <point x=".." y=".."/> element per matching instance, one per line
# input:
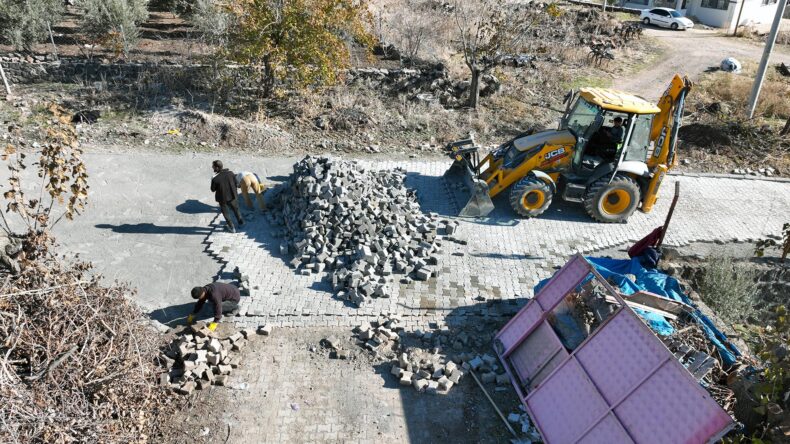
<point x="23" y="23"/>
<point x="729" y="288"/>
<point x="114" y="22"/>
<point x="212" y="21"/>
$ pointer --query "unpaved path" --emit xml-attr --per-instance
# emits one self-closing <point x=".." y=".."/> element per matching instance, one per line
<point x="692" y="52"/>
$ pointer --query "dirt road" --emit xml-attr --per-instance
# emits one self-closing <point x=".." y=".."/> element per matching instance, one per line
<point x="692" y="52"/>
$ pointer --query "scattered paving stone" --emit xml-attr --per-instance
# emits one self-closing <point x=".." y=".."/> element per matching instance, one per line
<point x="420" y="384"/>
<point x="488" y="378"/>
<point x="432" y="387"/>
<point x="187" y="388"/>
<point x="475" y="363"/>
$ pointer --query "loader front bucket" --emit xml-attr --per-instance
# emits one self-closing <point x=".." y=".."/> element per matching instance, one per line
<point x="477" y="201"/>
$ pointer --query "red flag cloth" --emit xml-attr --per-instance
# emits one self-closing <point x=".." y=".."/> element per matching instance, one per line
<point x="648" y="241"/>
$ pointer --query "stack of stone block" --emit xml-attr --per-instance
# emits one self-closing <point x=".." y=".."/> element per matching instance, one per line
<point x="433" y="376"/>
<point x="381" y="336"/>
<point x="197" y="358"/>
<point x="360" y="225"/>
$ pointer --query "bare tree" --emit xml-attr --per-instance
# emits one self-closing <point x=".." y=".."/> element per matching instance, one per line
<point x="786" y="129"/>
<point x="413" y="30"/>
<point x="489" y="30"/>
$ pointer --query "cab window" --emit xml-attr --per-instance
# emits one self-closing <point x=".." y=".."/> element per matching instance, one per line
<point x="581" y="120"/>
<point x="639" y="144"/>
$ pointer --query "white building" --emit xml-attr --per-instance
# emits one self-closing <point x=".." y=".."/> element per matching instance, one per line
<point x="717" y="13"/>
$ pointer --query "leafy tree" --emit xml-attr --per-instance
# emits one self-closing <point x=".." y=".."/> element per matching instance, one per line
<point x="489" y="30"/>
<point x="114" y="22"/>
<point x="63" y="180"/>
<point x="300" y="40"/>
<point x="25" y="22"/>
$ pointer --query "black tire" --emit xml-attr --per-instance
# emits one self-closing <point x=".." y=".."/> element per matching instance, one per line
<point x="612" y="202"/>
<point x="646" y="21"/>
<point x="674" y="26"/>
<point x="530" y="196"/>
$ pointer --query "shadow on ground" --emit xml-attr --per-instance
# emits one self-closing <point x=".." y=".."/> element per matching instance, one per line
<point x="463" y="414"/>
<point x="194" y="206"/>
<point x="437" y="195"/>
<point x="149" y="228"/>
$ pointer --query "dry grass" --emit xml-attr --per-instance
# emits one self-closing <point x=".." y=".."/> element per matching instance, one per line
<point x="734" y="90"/>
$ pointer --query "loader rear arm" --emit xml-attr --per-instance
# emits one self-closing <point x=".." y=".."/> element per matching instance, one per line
<point x="667" y="122"/>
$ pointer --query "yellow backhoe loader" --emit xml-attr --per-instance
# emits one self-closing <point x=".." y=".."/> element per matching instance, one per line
<point x="611" y="151"/>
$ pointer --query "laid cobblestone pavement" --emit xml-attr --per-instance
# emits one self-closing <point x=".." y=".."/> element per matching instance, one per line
<point x="288" y="390"/>
<point x="503" y="256"/>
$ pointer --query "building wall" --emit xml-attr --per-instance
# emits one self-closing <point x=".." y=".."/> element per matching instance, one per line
<point x="755" y="14"/>
<point x="647" y="5"/>
<point x="718" y="18"/>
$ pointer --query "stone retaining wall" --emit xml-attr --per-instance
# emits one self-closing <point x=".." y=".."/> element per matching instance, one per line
<point x="26" y="71"/>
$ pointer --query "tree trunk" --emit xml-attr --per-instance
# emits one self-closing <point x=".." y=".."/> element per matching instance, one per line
<point x="474" y="87"/>
<point x="268" y="77"/>
<point x="786" y="129"/>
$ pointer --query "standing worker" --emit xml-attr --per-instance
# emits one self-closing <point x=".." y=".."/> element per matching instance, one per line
<point x="224" y="297"/>
<point x="251" y="182"/>
<point x="223" y="184"/>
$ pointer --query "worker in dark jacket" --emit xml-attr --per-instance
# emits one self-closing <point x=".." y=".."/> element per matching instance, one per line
<point x="224" y="185"/>
<point x="224" y="297"/>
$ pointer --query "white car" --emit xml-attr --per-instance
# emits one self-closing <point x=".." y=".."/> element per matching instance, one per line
<point x="666" y="17"/>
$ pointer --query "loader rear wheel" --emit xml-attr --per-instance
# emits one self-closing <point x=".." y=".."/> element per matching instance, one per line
<point x="612" y="202"/>
<point x="530" y="196"/>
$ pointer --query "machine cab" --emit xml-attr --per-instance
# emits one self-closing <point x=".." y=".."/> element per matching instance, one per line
<point x="591" y="114"/>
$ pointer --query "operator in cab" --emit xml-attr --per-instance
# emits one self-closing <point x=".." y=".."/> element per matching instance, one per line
<point x="607" y="138"/>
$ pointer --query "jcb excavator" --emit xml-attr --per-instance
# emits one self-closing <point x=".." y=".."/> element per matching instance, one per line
<point x="610" y="152"/>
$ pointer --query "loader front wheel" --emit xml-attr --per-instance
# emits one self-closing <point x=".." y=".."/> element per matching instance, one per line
<point x="530" y="197"/>
<point x="612" y="202"/>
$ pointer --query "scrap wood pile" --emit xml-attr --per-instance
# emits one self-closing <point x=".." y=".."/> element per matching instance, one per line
<point x="76" y="359"/>
<point x="693" y="349"/>
<point x="360" y="225"/>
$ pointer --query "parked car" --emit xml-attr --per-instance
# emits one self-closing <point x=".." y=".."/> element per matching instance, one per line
<point x="666" y="17"/>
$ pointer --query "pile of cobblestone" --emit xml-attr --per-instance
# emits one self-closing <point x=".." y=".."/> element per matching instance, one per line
<point x="422" y="364"/>
<point x="361" y="226"/>
<point x="381" y="336"/>
<point x="427" y="373"/>
<point x="197" y="358"/>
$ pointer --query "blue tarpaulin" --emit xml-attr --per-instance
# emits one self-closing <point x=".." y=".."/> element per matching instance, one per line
<point x="661" y="284"/>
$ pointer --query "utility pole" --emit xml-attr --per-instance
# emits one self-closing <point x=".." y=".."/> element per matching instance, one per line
<point x="769" y="46"/>
<point x="738" y="20"/>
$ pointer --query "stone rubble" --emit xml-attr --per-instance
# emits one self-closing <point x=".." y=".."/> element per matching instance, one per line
<point x="424" y="367"/>
<point x="197" y="359"/>
<point x="530" y="432"/>
<point x="360" y="226"/>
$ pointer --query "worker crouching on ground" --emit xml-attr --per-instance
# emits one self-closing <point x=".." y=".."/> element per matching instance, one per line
<point x="223" y="184"/>
<point x="224" y="297"/>
<point x="250" y="182"/>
